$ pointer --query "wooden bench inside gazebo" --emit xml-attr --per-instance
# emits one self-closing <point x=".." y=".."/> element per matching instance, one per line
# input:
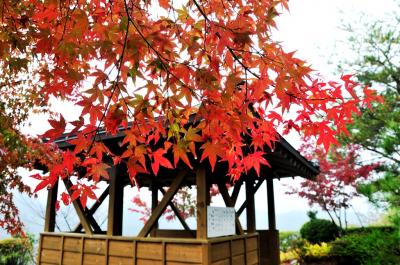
<point x="88" y="244"/>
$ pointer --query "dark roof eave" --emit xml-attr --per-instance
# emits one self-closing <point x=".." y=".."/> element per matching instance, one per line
<point x="285" y="144"/>
<point x="63" y="142"/>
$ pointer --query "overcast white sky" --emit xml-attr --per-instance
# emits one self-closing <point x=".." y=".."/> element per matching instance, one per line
<point x="312" y="29"/>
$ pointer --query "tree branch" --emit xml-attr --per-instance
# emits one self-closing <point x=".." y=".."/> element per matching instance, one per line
<point x="380" y="153"/>
<point x="229" y="48"/>
<point x="114" y="86"/>
<point x="157" y="53"/>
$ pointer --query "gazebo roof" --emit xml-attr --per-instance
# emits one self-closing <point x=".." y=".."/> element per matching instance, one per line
<point x="284" y="160"/>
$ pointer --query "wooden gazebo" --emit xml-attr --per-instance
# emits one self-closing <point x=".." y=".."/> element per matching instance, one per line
<point x="88" y="244"/>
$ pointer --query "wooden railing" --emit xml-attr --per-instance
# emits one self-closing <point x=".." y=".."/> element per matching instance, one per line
<point x="80" y="249"/>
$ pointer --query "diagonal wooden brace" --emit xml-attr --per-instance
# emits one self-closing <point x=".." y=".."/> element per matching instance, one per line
<point x="163" y="204"/>
<point x="244" y="204"/>
<point x="236" y="190"/>
<point x="95" y="206"/>
<point x="79" y="210"/>
<point x="228" y="202"/>
<point x="178" y="215"/>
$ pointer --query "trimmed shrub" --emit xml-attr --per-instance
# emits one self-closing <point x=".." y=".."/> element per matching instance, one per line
<point x="318" y="250"/>
<point x="16" y="251"/>
<point x="319" y="230"/>
<point x="289" y="257"/>
<point x="375" y="247"/>
<point x="303" y="252"/>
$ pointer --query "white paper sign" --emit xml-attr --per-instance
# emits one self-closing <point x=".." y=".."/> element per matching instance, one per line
<point x="220" y="221"/>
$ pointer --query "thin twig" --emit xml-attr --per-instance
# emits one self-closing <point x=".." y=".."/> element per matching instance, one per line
<point x="114" y="87"/>
<point x="160" y="56"/>
<point x="229" y="48"/>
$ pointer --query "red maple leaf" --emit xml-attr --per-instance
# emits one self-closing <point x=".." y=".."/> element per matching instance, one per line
<point x="180" y="153"/>
<point x="99" y="170"/>
<point x="254" y="160"/>
<point x="69" y="160"/>
<point x="57" y="130"/>
<point x="158" y="159"/>
<point x="211" y="151"/>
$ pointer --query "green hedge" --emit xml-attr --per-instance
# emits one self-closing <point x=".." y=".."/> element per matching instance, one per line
<point x="373" y="247"/>
<point x="16" y="251"/>
<point x="358" y="246"/>
<point x="368" y="229"/>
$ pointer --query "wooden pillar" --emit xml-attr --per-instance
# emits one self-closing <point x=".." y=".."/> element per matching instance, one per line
<point x="50" y="217"/>
<point x="270" y="240"/>
<point x="250" y="209"/>
<point x="271" y="204"/>
<point x="201" y="205"/>
<point x="154" y="203"/>
<point x="115" y="204"/>
<point x="269" y="247"/>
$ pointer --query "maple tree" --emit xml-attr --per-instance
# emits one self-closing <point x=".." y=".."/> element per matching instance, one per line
<point x="378" y="132"/>
<point x="189" y="72"/>
<point x="341" y="173"/>
<point x="16" y="150"/>
<point x="8" y="176"/>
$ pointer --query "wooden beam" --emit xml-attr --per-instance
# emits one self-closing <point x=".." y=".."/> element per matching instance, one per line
<point x="178" y="215"/>
<point x="241" y="208"/>
<point x="88" y="216"/>
<point x="94" y="208"/>
<point x="92" y="222"/>
<point x="250" y="209"/>
<point x="115" y="203"/>
<point x="175" y="185"/>
<point x="99" y="201"/>
<point x="50" y="217"/>
<point x="271" y="204"/>
<point x="258" y="185"/>
<point x="228" y="202"/>
<point x="79" y="210"/>
<point x="225" y="194"/>
<point x="236" y="190"/>
<point x="208" y="188"/>
<point x="154" y="203"/>
<point x="201" y="204"/>
<point x="244" y="204"/>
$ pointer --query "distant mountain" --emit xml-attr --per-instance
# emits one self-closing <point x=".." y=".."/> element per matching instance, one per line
<point x="291" y="221"/>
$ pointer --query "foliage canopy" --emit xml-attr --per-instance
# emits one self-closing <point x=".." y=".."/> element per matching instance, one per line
<point x="191" y="72"/>
<point x="18" y="251"/>
<point x="341" y="174"/>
